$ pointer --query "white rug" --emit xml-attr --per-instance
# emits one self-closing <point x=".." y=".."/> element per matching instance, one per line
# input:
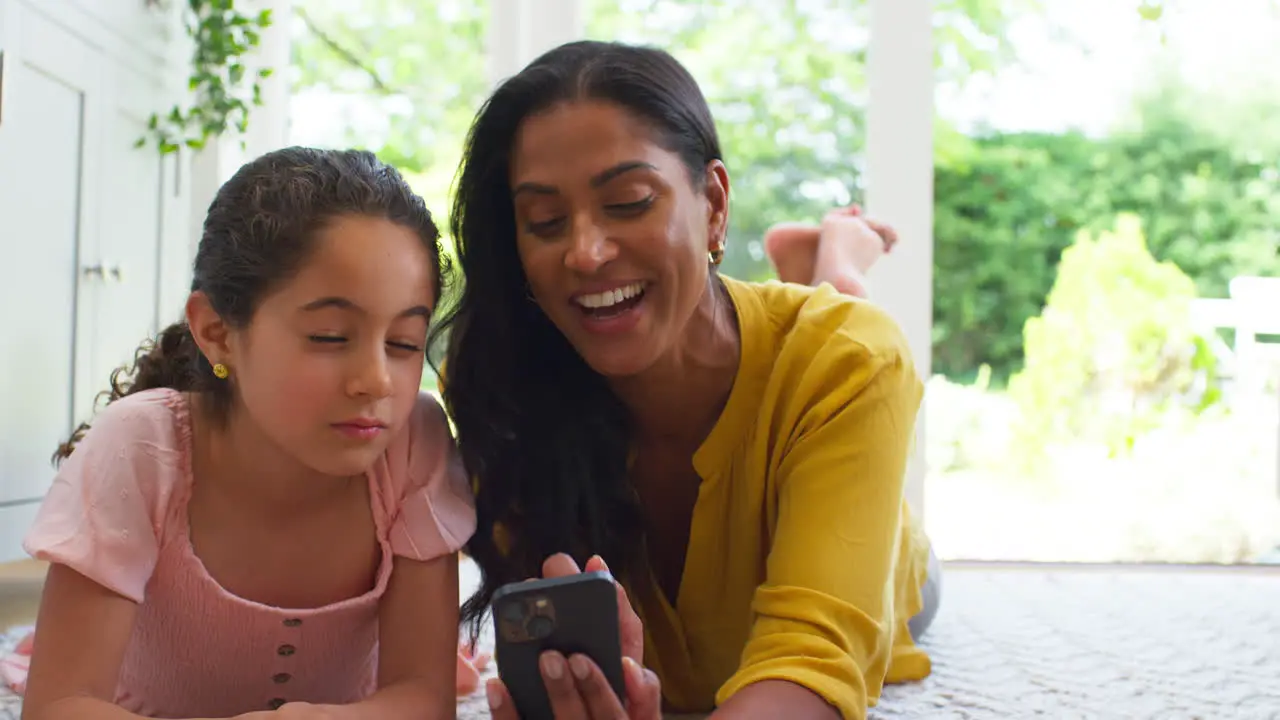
<point x="10" y="704"/>
<point x="1081" y="643"/>
<point x="1012" y="643"/>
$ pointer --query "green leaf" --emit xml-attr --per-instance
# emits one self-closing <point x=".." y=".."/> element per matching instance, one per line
<point x="1151" y="11"/>
<point x="221" y="36"/>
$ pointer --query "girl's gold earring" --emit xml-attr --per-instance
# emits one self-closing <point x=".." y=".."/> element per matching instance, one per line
<point x="220" y="371"/>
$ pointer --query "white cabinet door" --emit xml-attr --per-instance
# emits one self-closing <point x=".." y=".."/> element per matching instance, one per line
<point x="52" y="83"/>
<point x="126" y="263"/>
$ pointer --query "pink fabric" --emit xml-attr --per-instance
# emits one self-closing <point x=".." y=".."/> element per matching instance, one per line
<point x="117" y="513"/>
<point x="14" y="666"/>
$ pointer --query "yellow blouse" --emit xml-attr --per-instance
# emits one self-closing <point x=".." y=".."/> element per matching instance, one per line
<point x="804" y="563"/>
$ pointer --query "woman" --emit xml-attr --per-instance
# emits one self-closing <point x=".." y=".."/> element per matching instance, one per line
<point x="734" y="451"/>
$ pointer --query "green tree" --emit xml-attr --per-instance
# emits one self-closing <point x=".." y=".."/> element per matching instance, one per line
<point x="1008" y="204"/>
<point x="420" y="66"/>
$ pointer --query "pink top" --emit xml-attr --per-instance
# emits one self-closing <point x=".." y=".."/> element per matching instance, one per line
<point x="117" y="513"/>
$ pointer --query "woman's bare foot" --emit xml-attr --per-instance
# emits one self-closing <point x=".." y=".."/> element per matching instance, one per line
<point x="792" y="247"/>
<point x="839" y="252"/>
<point x="849" y="246"/>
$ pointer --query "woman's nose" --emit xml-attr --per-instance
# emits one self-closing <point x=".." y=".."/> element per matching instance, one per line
<point x="589" y="248"/>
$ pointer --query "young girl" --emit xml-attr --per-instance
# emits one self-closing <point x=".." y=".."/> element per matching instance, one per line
<point x="264" y="521"/>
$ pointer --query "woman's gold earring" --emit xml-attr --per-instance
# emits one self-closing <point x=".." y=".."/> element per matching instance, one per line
<point x="220" y="371"/>
<point x="717" y="254"/>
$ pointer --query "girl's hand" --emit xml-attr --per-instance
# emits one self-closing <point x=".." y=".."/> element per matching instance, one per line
<point x="470" y="666"/>
<point x="577" y="688"/>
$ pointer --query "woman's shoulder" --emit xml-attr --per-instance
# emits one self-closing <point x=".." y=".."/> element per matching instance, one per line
<point x="812" y="357"/>
<point x="818" y="325"/>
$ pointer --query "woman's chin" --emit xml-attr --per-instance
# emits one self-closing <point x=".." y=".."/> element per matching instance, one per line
<point x="617" y="360"/>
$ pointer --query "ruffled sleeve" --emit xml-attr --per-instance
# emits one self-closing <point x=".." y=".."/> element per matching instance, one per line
<point x="102" y="514"/>
<point x="434" y="510"/>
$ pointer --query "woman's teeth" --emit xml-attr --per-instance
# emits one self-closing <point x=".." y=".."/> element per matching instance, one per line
<point x="609" y="298"/>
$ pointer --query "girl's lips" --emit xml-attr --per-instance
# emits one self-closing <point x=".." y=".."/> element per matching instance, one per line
<point x="359" y="430"/>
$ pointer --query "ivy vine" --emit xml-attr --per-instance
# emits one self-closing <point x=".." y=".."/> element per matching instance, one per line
<point x="221" y="87"/>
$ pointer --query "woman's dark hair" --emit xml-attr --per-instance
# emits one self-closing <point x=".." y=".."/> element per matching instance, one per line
<point x="542" y="434"/>
<point x="259" y="232"/>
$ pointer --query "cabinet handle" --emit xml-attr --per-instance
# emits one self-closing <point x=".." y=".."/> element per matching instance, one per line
<point x="102" y="272"/>
<point x="3" y="76"/>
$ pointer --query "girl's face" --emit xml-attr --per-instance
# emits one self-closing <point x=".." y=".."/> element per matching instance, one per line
<point x="330" y="367"/>
<point x="612" y="235"/>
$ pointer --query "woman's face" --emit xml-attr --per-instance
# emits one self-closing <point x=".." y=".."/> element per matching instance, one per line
<point x="612" y="234"/>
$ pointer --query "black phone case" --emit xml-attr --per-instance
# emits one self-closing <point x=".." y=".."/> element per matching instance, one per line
<point x="585" y="608"/>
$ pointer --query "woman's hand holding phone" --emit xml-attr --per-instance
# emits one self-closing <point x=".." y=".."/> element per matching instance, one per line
<point x="575" y="685"/>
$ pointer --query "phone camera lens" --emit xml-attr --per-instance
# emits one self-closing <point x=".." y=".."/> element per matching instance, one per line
<point x="539" y="627"/>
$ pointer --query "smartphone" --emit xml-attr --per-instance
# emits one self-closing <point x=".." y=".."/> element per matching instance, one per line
<point x="574" y="614"/>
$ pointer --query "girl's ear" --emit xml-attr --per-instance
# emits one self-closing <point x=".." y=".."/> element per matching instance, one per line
<point x="210" y="332"/>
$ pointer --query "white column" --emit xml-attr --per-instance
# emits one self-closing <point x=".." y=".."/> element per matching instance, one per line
<point x="899" y="184"/>
<point x="521" y="30"/>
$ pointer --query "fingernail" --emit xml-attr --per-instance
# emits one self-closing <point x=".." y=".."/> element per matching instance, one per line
<point x="650" y="677"/>
<point x="634" y="669"/>
<point x="581" y="669"/>
<point x="492" y="693"/>
<point x="552" y="666"/>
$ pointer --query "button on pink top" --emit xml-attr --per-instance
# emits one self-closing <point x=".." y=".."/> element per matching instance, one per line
<point x="117" y="513"/>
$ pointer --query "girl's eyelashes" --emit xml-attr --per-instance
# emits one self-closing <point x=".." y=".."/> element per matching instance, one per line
<point x="338" y="340"/>
<point x="326" y="339"/>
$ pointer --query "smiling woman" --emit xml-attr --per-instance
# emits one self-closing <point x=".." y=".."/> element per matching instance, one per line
<point x="734" y="451"/>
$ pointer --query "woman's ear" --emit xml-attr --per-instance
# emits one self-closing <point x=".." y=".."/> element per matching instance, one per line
<point x="210" y="332"/>
<point x="717" y="195"/>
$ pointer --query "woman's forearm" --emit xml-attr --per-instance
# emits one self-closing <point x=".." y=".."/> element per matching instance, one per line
<point x="770" y="699"/>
